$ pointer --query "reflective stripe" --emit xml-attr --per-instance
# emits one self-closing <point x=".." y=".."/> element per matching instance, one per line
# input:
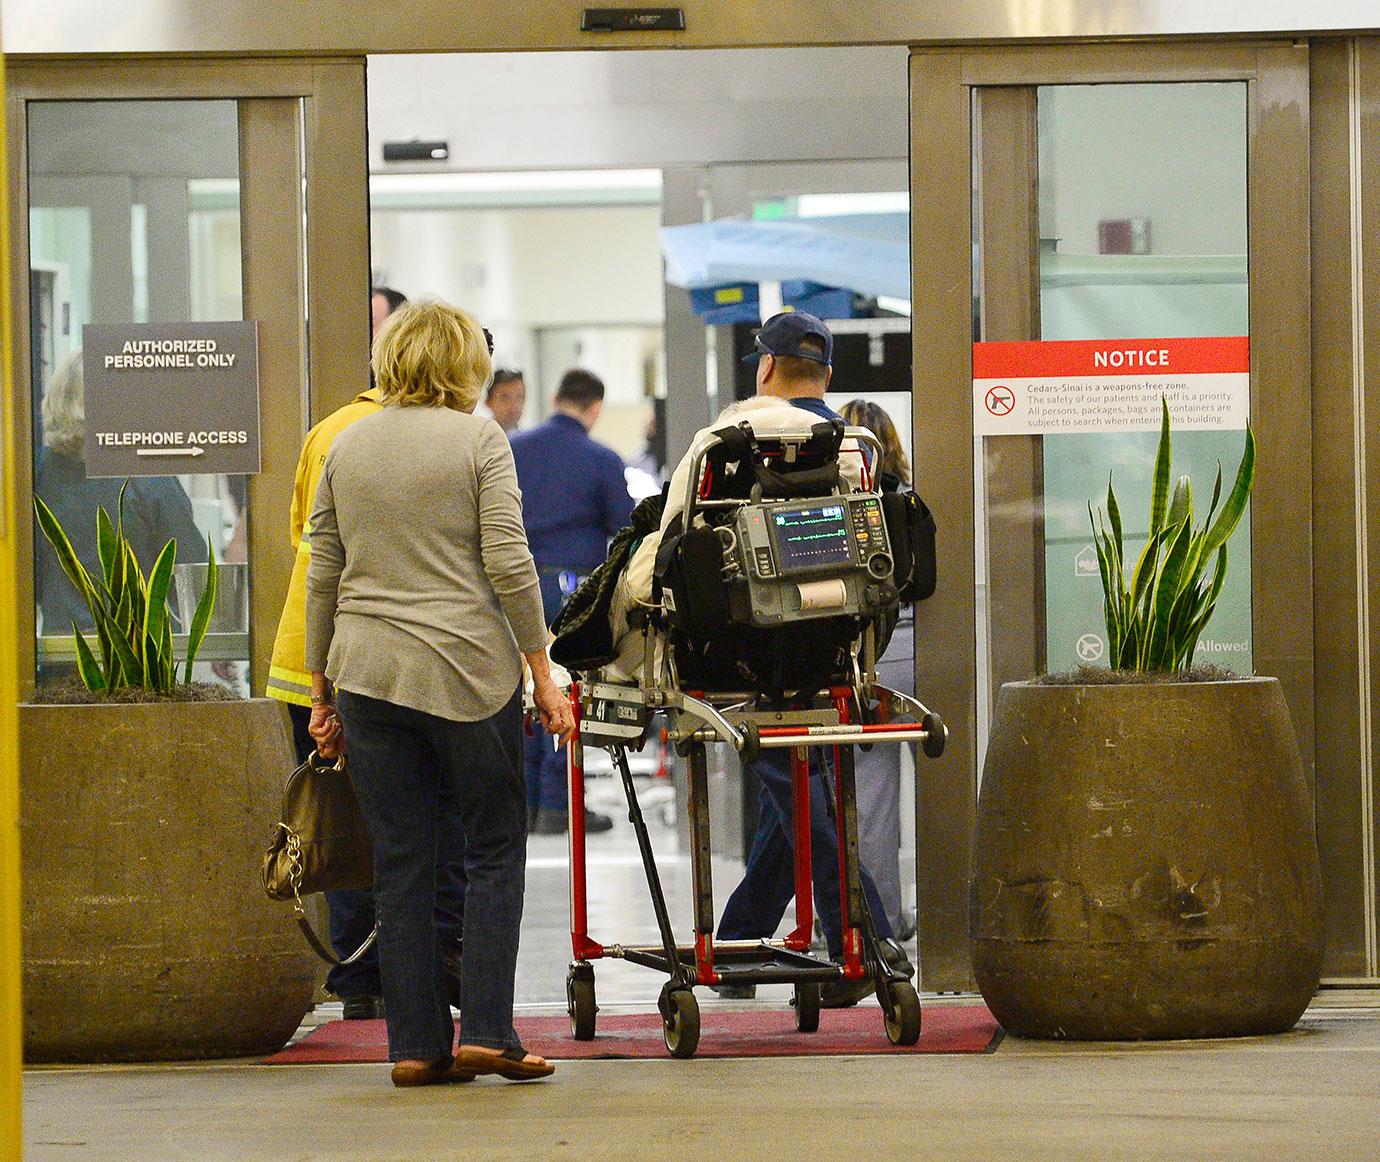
<point x="287" y="692"/>
<point x="291" y="677"/>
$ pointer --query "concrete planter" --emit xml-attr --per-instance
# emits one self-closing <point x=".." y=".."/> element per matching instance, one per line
<point x="1145" y="864"/>
<point x="147" y="936"/>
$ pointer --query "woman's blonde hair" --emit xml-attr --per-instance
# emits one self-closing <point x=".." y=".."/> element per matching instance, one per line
<point x="431" y="354"/>
<point x="862" y="413"/>
<point x="64" y="408"/>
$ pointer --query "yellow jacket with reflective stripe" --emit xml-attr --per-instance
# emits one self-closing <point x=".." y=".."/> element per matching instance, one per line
<point x="288" y="679"/>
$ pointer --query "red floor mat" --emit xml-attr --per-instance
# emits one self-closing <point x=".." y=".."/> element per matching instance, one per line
<point x="726" y="1033"/>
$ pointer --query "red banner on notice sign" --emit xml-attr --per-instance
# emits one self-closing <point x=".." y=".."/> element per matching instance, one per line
<point x="1110" y="385"/>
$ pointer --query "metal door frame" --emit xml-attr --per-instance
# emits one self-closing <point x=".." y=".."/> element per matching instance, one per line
<point x="943" y="171"/>
<point x="304" y="192"/>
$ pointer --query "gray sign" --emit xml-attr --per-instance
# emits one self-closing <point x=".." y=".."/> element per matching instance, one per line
<point x="167" y="399"/>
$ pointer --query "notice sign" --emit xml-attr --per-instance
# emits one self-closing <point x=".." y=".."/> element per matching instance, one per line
<point x="1110" y="385"/>
<point x="165" y="399"/>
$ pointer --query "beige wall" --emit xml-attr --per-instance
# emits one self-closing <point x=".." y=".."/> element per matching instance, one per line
<point x="353" y="26"/>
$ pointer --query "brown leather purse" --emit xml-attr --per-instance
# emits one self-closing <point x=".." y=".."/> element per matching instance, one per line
<point x="320" y="845"/>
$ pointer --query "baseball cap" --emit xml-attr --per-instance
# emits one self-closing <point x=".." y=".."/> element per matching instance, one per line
<point x="782" y="335"/>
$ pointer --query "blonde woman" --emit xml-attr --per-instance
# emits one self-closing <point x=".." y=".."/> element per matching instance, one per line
<point x="422" y="600"/>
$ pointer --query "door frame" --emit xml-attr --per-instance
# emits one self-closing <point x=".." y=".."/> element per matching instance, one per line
<point x="303" y="139"/>
<point x="943" y="171"/>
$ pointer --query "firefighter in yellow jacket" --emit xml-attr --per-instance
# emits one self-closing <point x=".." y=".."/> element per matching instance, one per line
<point x="351" y="912"/>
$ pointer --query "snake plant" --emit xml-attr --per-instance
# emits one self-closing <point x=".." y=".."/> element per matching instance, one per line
<point x="1154" y="619"/>
<point x="130" y="611"/>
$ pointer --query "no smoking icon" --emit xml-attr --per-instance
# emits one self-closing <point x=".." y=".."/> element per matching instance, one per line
<point x="1000" y="400"/>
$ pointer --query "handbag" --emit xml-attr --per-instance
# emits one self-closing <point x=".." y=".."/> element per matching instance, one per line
<point x="320" y="845"/>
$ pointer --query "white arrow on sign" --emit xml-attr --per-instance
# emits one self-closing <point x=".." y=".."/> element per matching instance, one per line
<point x="171" y="451"/>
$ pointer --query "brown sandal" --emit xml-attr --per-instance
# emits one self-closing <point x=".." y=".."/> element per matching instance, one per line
<point x="511" y="1064"/>
<point x="442" y="1072"/>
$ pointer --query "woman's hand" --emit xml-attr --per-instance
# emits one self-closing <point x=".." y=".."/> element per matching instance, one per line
<point x="328" y="731"/>
<point x="554" y="708"/>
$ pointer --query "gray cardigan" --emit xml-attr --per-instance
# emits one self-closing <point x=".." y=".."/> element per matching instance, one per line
<point x="420" y="577"/>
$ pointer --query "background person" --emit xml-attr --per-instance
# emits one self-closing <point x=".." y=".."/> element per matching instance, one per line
<point x="507" y="398"/>
<point x="383" y="301"/>
<point x="351" y="913"/>
<point x="574" y="498"/>
<point x="879" y="770"/>
<point x="420" y="594"/>
<point x="156" y="510"/>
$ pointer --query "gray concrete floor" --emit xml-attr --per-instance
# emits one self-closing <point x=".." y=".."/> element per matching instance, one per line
<point x="1309" y="1094"/>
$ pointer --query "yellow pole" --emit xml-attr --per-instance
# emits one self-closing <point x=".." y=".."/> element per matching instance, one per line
<point x="11" y="1042"/>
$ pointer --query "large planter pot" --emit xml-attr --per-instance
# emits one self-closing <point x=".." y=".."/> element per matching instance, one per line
<point x="1145" y="863"/>
<point x="147" y="936"/>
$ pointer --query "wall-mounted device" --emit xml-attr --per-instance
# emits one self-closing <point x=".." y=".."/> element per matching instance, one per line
<point x="633" y="20"/>
<point x="416" y="150"/>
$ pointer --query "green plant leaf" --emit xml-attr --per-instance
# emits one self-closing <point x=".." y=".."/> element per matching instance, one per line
<point x="1181" y="503"/>
<point x="1114" y="519"/>
<point x="1159" y="488"/>
<point x="87" y="666"/>
<point x="1208" y="605"/>
<point x="106" y="548"/>
<point x="1147" y="568"/>
<point x="156" y="611"/>
<point x="202" y="617"/>
<point x="1237" y="498"/>
<point x="66" y="555"/>
<point x="1216" y="495"/>
<point x="125" y="649"/>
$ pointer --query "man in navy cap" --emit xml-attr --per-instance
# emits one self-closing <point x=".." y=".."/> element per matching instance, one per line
<point x="794" y="354"/>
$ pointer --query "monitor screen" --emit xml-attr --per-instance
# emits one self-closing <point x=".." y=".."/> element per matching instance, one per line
<point x="807" y="538"/>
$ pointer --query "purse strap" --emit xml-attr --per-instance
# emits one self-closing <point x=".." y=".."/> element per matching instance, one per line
<point x="299" y="912"/>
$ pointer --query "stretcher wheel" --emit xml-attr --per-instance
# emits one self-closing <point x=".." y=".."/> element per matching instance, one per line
<point x="681" y="1023"/>
<point x="933" y="746"/>
<point x="902" y="1008"/>
<point x="579" y="992"/>
<point x="806" y="1002"/>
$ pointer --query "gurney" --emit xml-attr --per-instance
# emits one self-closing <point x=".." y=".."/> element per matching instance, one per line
<point x="776" y="592"/>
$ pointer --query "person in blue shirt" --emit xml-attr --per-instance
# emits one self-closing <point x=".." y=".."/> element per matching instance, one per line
<point x="574" y="498"/>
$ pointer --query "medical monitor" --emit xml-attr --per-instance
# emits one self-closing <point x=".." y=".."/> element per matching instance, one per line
<point x="811" y="538"/>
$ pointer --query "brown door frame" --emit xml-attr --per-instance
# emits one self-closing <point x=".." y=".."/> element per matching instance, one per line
<point x="291" y="114"/>
<point x="943" y="83"/>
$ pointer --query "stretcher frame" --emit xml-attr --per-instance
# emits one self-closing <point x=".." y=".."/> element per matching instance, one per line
<point x="860" y="713"/>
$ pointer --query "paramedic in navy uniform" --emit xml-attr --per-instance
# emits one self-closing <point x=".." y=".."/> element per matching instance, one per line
<point x="574" y="498"/>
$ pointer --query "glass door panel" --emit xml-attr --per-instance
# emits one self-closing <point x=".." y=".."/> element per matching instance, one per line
<point x="1142" y="235"/>
<point x="134" y="218"/>
<point x="1139" y="232"/>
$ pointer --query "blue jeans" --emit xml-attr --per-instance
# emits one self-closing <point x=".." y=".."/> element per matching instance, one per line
<point x="407" y="766"/>
<point x="545" y="766"/>
<point x="351" y="913"/>
<point x="545" y="770"/>
<point x="755" y="908"/>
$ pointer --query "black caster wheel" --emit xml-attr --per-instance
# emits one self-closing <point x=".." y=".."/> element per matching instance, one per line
<point x="579" y="995"/>
<point x="901" y="1006"/>
<point x="680" y="1019"/>
<point x="806" y="1002"/>
<point x="933" y="746"/>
